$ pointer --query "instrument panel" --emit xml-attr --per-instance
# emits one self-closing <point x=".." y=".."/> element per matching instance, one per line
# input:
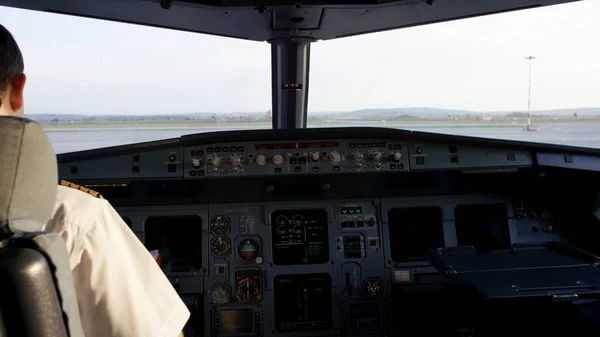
<point x="322" y="250"/>
<point x="320" y="268"/>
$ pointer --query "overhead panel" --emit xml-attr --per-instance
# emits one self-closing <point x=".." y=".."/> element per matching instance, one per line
<point x="263" y="20"/>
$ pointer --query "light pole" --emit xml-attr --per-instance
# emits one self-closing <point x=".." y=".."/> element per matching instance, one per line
<point x="529" y="59"/>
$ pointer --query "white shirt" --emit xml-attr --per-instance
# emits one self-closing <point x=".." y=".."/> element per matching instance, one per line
<point x="121" y="291"/>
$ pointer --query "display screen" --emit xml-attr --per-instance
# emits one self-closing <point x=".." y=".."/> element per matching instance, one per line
<point x="281" y="146"/>
<point x="484" y="227"/>
<point x="178" y="240"/>
<point x="413" y="231"/>
<point x="303" y="302"/>
<point x="300" y="237"/>
<point x="364" y="316"/>
<point x="324" y="145"/>
<point x="236" y="321"/>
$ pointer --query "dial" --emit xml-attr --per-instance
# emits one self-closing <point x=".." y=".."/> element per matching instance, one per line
<point x="216" y="161"/>
<point x="248" y="249"/>
<point x="277" y="159"/>
<point x="220" y="225"/>
<point x="335" y="157"/>
<point x="261" y="159"/>
<point x="377" y="156"/>
<point x="396" y="156"/>
<point x="221" y="246"/>
<point x="314" y="157"/>
<point x="373" y="287"/>
<point x="235" y="160"/>
<point x="282" y="220"/>
<point x="247" y="289"/>
<point x="297" y="219"/>
<point x="358" y="156"/>
<point x="221" y="294"/>
<point x="196" y="162"/>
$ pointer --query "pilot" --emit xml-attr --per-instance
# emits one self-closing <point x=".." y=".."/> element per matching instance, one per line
<point x="121" y="290"/>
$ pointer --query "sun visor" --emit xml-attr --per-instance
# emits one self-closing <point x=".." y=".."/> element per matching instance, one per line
<point x="553" y="271"/>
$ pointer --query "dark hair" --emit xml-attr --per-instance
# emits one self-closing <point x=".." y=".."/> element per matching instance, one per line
<point x="11" y="59"/>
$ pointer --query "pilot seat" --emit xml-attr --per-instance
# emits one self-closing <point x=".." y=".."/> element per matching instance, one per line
<point x="37" y="296"/>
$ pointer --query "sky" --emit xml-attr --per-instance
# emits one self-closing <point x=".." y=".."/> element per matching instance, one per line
<point x="85" y="66"/>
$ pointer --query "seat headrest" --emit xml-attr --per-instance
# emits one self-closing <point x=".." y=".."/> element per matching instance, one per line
<point x="28" y="175"/>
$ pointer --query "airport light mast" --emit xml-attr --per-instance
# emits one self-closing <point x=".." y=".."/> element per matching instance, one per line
<point x="529" y="126"/>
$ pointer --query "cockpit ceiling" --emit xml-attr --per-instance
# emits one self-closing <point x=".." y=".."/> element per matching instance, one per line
<point x="261" y="21"/>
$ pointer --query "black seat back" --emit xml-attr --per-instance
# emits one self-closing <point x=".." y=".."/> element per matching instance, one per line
<point x="37" y="296"/>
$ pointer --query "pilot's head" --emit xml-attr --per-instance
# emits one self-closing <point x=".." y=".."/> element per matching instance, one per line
<point x="12" y="79"/>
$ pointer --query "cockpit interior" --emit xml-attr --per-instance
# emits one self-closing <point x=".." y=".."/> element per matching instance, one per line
<point x="368" y="232"/>
<point x="350" y="231"/>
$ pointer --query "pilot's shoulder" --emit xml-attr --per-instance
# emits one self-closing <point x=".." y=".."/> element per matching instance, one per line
<point x="76" y="198"/>
<point x="81" y="189"/>
<point x="75" y="207"/>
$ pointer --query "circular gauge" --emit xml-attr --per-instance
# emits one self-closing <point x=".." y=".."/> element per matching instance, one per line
<point x="221" y="246"/>
<point x="221" y="294"/>
<point x="373" y="287"/>
<point x="281" y="220"/>
<point x="248" y="249"/>
<point x="247" y="289"/>
<point x="297" y="219"/>
<point x="220" y="225"/>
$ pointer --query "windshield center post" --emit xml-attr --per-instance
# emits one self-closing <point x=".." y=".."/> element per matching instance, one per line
<point x="290" y="59"/>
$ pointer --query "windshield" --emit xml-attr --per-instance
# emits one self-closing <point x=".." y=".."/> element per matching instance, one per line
<point x="95" y="83"/>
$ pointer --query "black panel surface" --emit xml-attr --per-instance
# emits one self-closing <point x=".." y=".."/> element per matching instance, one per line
<point x="177" y="239"/>
<point x="553" y="270"/>
<point x="413" y="231"/>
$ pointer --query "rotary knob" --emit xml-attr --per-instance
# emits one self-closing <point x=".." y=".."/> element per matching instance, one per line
<point x="261" y="159"/>
<point x="196" y="162"/>
<point x="377" y="156"/>
<point x="358" y="156"/>
<point x="314" y="157"/>
<point x="397" y="156"/>
<point x="215" y="161"/>
<point x="335" y="157"/>
<point x="277" y="159"/>
<point x="236" y="160"/>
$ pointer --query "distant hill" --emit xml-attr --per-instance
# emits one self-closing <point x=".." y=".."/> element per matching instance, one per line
<point x="391" y="113"/>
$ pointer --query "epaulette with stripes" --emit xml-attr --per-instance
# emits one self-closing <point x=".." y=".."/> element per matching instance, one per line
<point x="81" y="188"/>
